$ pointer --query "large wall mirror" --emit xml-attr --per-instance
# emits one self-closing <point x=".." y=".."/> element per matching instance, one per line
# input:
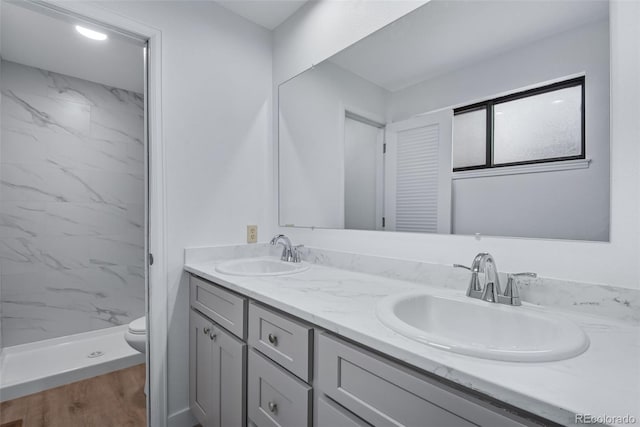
<point x="462" y="117"/>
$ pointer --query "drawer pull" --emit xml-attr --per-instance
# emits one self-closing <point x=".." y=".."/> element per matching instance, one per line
<point x="273" y="407"/>
<point x="213" y="336"/>
<point x="273" y="339"/>
<point x="206" y="331"/>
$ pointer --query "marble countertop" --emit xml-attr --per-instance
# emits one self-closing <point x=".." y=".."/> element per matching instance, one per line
<point x="602" y="382"/>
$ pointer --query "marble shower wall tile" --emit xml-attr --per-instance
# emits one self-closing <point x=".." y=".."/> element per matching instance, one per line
<point x="66" y="88"/>
<point x="21" y="218"/>
<point x="71" y="205"/>
<point x="20" y="78"/>
<point x="41" y="305"/>
<point x="27" y="113"/>
<point x="116" y="126"/>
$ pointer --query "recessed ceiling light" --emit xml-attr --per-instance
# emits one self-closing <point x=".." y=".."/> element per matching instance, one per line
<point x="93" y="35"/>
<point x="558" y="101"/>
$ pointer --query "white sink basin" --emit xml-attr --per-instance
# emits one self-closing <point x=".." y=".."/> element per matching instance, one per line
<point x="482" y="329"/>
<point x="260" y="267"/>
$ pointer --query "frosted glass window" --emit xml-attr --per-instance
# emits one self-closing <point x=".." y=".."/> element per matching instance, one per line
<point x="470" y="139"/>
<point x="544" y="126"/>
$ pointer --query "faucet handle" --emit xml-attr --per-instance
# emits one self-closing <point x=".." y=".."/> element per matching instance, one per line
<point x="474" y="290"/>
<point x="295" y="253"/>
<point x="511" y="292"/>
<point x="511" y="281"/>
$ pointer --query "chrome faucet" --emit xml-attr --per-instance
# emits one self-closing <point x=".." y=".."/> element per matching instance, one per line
<point x="490" y="289"/>
<point x="290" y="253"/>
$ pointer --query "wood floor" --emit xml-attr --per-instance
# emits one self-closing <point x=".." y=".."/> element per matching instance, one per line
<point x="112" y="400"/>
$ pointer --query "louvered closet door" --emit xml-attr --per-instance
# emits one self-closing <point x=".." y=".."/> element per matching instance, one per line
<point x="418" y="169"/>
<point x="417" y="179"/>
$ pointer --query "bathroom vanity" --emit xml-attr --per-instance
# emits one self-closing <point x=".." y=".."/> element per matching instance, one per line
<point x="275" y="353"/>
<point x="308" y="349"/>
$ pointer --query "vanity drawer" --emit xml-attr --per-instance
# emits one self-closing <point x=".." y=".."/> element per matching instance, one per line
<point x="223" y="307"/>
<point x="330" y="414"/>
<point x="276" y="398"/>
<point x="384" y="393"/>
<point x="286" y="341"/>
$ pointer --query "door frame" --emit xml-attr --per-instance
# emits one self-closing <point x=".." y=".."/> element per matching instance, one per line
<point x="156" y="286"/>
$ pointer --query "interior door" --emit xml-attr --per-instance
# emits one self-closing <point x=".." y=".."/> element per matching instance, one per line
<point x="363" y="167"/>
<point x="418" y="174"/>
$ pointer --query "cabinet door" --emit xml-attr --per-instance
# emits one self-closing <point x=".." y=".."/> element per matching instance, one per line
<point x="217" y="391"/>
<point x="201" y="372"/>
<point x="230" y="356"/>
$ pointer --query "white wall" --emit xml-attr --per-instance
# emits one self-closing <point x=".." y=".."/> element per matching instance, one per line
<point x="311" y="128"/>
<point x="522" y="205"/>
<point x="217" y="124"/>
<point x="300" y="43"/>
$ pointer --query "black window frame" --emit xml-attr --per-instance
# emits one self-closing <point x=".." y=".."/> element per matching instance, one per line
<point x="488" y="106"/>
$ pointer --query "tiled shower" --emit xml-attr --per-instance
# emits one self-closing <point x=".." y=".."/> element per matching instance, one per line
<point x="71" y="205"/>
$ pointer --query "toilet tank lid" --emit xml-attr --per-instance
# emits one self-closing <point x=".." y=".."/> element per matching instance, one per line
<point x="139" y="325"/>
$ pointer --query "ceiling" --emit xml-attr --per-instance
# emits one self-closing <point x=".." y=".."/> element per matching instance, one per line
<point x="116" y="62"/>
<point x="56" y="46"/>
<point x="445" y="35"/>
<point x="267" y="13"/>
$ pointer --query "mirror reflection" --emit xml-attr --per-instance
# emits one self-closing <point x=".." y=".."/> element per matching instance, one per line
<point x="466" y="117"/>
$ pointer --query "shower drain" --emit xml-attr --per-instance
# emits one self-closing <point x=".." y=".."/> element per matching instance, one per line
<point x="95" y="354"/>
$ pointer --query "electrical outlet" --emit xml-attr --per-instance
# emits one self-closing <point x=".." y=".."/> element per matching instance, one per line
<point x="252" y="233"/>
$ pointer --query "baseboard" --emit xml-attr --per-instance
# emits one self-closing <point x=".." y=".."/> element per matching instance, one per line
<point x="182" y="418"/>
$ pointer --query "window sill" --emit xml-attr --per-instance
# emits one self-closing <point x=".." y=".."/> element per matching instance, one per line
<point x="515" y="170"/>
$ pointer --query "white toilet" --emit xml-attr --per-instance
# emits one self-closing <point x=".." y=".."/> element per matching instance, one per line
<point x="136" y="336"/>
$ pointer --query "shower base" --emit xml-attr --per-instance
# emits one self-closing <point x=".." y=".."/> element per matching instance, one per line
<point x="34" y="367"/>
